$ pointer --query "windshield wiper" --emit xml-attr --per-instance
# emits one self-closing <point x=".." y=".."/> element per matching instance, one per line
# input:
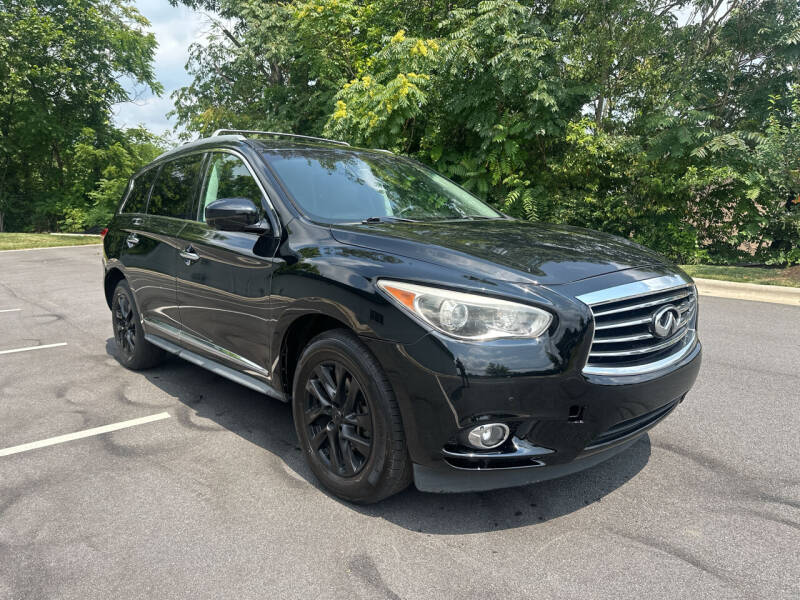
<point x="388" y="219"/>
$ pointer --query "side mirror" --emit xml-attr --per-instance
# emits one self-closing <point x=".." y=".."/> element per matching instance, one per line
<point x="235" y="214"/>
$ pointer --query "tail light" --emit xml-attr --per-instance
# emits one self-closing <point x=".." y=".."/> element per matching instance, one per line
<point x="103" y="232"/>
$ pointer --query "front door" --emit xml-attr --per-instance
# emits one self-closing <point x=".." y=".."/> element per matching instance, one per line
<point x="224" y="276"/>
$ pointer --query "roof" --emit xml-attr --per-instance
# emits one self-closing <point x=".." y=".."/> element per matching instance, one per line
<point x="269" y="141"/>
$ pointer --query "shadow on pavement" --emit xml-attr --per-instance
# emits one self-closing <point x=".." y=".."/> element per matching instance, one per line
<point x="268" y="423"/>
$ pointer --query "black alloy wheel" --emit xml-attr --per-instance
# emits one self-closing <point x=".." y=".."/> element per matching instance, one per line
<point x="337" y="418"/>
<point x="124" y="324"/>
<point x="347" y="419"/>
<point x="135" y="352"/>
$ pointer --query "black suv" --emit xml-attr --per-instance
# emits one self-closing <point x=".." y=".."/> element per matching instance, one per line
<point x="418" y="333"/>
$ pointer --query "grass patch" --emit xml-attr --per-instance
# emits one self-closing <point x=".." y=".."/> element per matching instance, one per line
<point x="18" y="241"/>
<point x="761" y="275"/>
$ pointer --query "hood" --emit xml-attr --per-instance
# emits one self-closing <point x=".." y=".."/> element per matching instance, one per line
<point x="505" y="250"/>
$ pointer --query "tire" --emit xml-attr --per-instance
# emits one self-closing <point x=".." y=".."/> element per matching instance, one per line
<point x="133" y="351"/>
<point x="348" y="421"/>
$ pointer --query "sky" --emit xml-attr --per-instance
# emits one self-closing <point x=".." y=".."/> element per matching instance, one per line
<point x="175" y="28"/>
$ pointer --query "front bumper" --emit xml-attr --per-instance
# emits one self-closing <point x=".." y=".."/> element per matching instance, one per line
<point x="562" y="420"/>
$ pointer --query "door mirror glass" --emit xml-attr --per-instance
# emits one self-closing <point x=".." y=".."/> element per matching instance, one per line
<point x="233" y="214"/>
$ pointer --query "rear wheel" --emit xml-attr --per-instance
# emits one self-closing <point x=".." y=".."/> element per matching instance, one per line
<point x="348" y="421"/>
<point x="134" y="351"/>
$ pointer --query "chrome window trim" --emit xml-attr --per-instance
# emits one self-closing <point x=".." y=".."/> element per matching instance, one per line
<point x="629" y="291"/>
<point x="126" y="197"/>
<point x="270" y="206"/>
<point x="247" y="164"/>
<point x="121" y="210"/>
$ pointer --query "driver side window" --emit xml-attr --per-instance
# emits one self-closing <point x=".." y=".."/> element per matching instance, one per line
<point x="227" y="177"/>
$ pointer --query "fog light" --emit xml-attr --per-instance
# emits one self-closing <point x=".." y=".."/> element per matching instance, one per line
<point x="488" y="436"/>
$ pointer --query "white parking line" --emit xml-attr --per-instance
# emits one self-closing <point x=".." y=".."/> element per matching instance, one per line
<point x="33" y="348"/>
<point x="10" y="310"/>
<point x="82" y="434"/>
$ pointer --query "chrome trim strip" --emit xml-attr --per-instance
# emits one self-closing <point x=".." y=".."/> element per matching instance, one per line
<point x="163" y="328"/>
<point x="218" y="351"/>
<point x="178" y="153"/>
<point x="649" y="367"/>
<point x="685" y="292"/>
<point x="224" y="354"/>
<point x="628" y="291"/>
<point x="254" y="175"/>
<point x="619" y="324"/>
<point x="215" y="367"/>
<point x="636" y="351"/>
<point x="522" y="449"/>
<point x="625" y="338"/>
<point x="637" y="288"/>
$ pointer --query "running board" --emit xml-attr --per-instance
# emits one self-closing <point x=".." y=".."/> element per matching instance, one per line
<point x="215" y="367"/>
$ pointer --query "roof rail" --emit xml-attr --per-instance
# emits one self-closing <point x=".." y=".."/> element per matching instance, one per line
<point x="277" y="133"/>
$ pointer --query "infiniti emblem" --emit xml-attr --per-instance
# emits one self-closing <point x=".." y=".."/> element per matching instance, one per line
<point x="665" y="321"/>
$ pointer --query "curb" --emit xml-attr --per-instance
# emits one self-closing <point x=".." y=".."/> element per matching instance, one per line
<point x="51" y="247"/>
<point x="777" y="294"/>
<point x="95" y="235"/>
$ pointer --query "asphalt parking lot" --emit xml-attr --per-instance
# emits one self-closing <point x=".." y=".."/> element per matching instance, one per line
<point x="213" y="500"/>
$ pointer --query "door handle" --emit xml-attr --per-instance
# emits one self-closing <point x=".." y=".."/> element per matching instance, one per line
<point x="132" y="240"/>
<point x="189" y="255"/>
<point x="137" y="220"/>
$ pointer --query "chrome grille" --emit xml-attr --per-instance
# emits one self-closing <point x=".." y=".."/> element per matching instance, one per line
<point x="626" y="340"/>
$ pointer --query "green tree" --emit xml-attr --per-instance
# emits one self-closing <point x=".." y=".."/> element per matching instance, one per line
<point x="100" y="174"/>
<point x="671" y="123"/>
<point x="61" y="67"/>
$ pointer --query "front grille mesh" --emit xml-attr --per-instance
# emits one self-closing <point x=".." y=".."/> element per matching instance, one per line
<point x="624" y="335"/>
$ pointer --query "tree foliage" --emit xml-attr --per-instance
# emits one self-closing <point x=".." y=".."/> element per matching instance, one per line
<point x="673" y="122"/>
<point x="61" y="66"/>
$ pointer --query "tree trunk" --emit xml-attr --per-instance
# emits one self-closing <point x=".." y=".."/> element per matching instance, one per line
<point x="598" y="111"/>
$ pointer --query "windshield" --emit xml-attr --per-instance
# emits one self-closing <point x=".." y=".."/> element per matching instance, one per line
<point x="345" y="187"/>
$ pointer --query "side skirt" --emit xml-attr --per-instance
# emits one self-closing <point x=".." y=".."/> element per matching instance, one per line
<point x="215" y="367"/>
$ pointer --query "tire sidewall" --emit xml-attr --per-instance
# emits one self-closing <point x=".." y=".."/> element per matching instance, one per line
<point x="368" y="482"/>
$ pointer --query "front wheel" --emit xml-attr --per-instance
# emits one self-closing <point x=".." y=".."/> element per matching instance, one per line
<point x="348" y="421"/>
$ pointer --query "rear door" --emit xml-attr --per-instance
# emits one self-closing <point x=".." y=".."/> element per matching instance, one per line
<point x="224" y="276"/>
<point x="157" y="245"/>
<point x="133" y="254"/>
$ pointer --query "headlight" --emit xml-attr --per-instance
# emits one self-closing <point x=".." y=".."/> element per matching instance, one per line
<point x="468" y="316"/>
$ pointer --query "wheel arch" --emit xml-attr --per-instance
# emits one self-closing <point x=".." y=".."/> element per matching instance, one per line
<point x="112" y="278"/>
<point x="296" y="336"/>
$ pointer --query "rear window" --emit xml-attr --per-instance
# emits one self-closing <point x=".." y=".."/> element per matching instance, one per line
<point x="137" y="199"/>
<point x="173" y="191"/>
